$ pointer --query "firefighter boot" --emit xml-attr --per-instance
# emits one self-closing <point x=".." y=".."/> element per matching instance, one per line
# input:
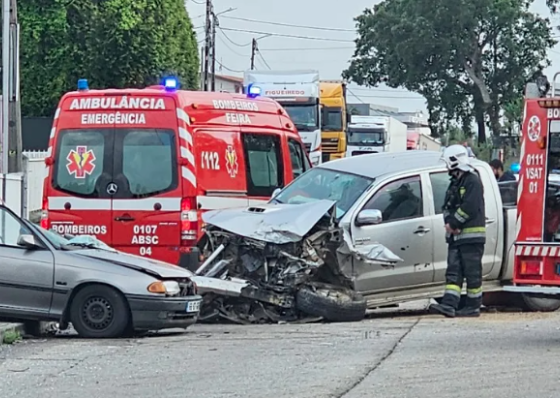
<point x="447" y="307"/>
<point x="471" y="308"/>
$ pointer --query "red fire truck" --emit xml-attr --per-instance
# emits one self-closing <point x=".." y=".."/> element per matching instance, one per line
<point x="537" y="243"/>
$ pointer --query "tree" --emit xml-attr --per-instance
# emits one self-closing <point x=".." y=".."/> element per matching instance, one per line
<point x="44" y="50"/>
<point x="112" y="43"/>
<point x="467" y="57"/>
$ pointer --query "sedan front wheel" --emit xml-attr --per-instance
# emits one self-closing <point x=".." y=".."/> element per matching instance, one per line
<point x="98" y="311"/>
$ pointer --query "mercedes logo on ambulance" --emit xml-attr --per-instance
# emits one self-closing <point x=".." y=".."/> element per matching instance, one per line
<point x="112" y="188"/>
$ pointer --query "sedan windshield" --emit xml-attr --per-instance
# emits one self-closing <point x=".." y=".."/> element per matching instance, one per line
<point x="319" y="183"/>
<point x="75" y="243"/>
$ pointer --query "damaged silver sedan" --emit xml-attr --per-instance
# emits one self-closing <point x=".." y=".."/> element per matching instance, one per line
<point x="290" y="259"/>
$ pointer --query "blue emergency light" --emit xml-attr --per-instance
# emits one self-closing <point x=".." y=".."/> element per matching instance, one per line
<point x="171" y="83"/>
<point x="83" y="85"/>
<point x="253" y="91"/>
<point x="515" y="168"/>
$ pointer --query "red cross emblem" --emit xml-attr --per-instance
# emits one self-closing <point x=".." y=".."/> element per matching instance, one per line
<point x="80" y="162"/>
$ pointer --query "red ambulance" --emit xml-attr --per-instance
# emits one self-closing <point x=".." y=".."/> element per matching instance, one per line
<point x="537" y="243"/>
<point x="136" y="167"/>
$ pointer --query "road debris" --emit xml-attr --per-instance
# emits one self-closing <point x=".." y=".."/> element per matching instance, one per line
<point x="282" y="263"/>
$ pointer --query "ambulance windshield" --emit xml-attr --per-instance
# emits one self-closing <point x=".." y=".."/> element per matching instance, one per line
<point x="141" y="162"/>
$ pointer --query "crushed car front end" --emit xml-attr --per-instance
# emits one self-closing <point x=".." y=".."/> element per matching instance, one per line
<point x="277" y="262"/>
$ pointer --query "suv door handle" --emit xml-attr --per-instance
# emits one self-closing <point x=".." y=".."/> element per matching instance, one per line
<point x="421" y="230"/>
<point x="490" y="220"/>
<point x="124" y="218"/>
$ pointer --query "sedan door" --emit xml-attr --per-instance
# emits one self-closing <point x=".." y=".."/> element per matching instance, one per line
<point x="405" y="229"/>
<point x="26" y="275"/>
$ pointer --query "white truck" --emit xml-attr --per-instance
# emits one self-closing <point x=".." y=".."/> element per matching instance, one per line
<point x="374" y="134"/>
<point x="298" y="93"/>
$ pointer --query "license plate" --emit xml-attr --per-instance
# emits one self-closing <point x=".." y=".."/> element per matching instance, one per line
<point x="193" y="306"/>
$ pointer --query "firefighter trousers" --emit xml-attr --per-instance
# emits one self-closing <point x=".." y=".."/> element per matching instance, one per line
<point x="464" y="262"/>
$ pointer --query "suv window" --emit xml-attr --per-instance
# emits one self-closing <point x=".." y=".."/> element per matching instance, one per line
<point x="264" y="164"/>
<point x="440" y="182"/>
<point x="80" y="161"/>
<point x="398" y="200"/>
<point x="149" y="161"/>
<point x="11" y="228"/>
<point x="297" y="157"/>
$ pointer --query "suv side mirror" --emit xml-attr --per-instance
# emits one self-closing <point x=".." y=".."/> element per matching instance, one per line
<point x="276" y="192"/>
<point x="28" y="241"/>
<point x="369" y="217"/>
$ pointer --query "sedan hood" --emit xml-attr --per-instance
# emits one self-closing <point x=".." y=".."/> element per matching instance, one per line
<point x="159" y="269"/>
<point x="273" y="223"/>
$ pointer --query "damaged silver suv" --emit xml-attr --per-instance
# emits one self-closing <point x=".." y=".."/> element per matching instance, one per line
<point x="293" y="258"/>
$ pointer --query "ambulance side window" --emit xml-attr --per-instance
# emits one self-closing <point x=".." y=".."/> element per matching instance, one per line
<point x="80" y="157"/>
<point x="263" y="159"/>
<point x="297" y="158"/>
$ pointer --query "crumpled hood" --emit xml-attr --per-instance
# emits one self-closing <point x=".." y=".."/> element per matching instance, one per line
<point x="271" y="222"/>
<point x="142" y="264"/>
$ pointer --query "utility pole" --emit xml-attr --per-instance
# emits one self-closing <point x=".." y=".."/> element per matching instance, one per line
<point x="11" y="112"/>
<point x="253" y="52"/>
<point x="201" y="74"/>
<point x="214" y="24"/>
<point x="208" y="42"/>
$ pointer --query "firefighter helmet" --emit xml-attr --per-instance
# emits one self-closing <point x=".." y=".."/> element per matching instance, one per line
<point x="456" y="157"/>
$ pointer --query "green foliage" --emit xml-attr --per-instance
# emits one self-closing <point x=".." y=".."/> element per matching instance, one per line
<point x="467" y="57"/>
<point x="112" y="43"/>
<point x="10" y="337"/>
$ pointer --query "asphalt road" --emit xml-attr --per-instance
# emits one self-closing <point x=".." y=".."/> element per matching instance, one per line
<point x="498" y="355"/>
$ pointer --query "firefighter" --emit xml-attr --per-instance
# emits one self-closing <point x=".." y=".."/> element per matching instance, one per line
<point x="465" y="225"/>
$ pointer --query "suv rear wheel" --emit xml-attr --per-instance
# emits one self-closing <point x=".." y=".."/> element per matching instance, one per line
<point x="540" y="302"/>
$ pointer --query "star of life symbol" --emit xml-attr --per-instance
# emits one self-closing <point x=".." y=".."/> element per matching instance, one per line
<point x="534" y="128"/>
<point x="80" y="162"/>
<point x="231" y="161"/>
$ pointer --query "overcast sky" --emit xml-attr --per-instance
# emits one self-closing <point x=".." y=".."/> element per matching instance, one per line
<point x="329" y="55"/>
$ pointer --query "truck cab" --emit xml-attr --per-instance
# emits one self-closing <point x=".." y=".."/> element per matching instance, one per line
<point x="333" y="119"/>
<point x="375" y="134"/>
<point x="297" y="91"/>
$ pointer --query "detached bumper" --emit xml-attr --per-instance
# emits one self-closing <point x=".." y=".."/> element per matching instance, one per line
<point x="532" y="289"/>
<point x="154" y="313"/>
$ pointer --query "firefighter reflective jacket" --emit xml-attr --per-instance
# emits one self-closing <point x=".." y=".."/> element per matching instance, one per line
<point x="464" y="210"/>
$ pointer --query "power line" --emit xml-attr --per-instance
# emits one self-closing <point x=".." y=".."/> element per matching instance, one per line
<point x="198" y="2"/>
<point x="289" y="36"/>
<point x="228" y="46"/>
<point x="308" y="48"/>
<point x="263" y="60"/>
<point x="291" y="25"/>
<point x="225" y="67"/>
<point x="231" y="41"/>
<point x="354" y="95"/>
